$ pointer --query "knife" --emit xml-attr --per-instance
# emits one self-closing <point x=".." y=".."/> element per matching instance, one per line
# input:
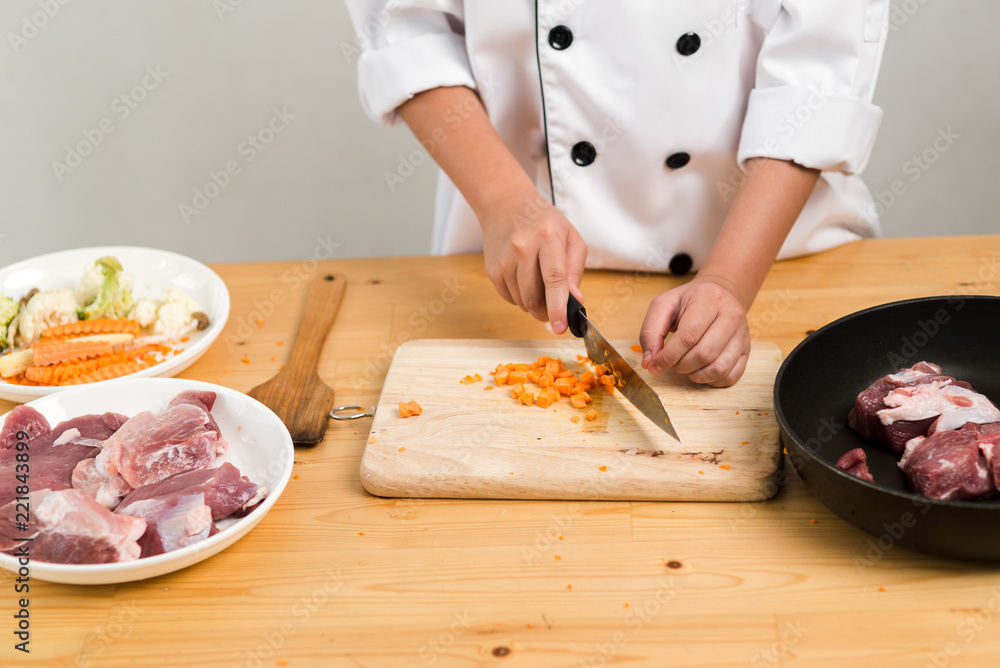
<point x="629" y="383"/>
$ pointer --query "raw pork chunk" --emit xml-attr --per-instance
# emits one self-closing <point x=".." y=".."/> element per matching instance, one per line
<point x="150" y="448"/>
<point x="54" y="453"/>
<point x="949" y="465"/>
<point x="172" y="522"/>
<point x="71" y="528"/>
<point x="224" y="490"/>
<point x="855" y="462"/>
<point x="22" y="418"/>
<point x="864" y="417"/>
<point x="205" y="401"/>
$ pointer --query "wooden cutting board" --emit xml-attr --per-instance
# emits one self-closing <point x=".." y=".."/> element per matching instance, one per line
<point x="471" y="442"/>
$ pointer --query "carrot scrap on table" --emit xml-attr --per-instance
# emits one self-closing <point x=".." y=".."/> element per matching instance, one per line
<point x="488" y="387"/>
<point x="724" y="466"/>
<point x="409" y="408"/>
<point x="469" y="380"/>
<point x="813" y="521"/>
<point x="591" y="414"/>
<point x="245" y="359"/>
<point x="602" y="468"/>
<point x="637" y="348"/>
<point x="745" y="443"/>
<point x="372" y="439"/>
<point x="402" y="447"/>
<point x="574" y="418"/>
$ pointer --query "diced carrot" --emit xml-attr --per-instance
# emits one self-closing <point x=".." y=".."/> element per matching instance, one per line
<point x="600" y="370"/>
<point x="610" y="389"/>
<point x="501" y="376"/>
<point x="552" y="368"/>
<point x="95" y="326"/>
<point x="591" y="414"/>
<point x="566" y="374"/>
<point x="579" y="400"/>
<point x="637" y="348"/>
<point x="534" y="376"/>
<point x="587" y="378"/>
<point x="409" y="408"/>
<point x="544" y="400"/>
<point x="527" y="398"/>
<point x="574" y="418"/>
<point x="518" y="377"/>
<point x="488" y="387"/>
<point x="517" y="390"/>
<point x="546" y="379"/>
<point x="521" y="367"/>
<point x="509" y="366"/>
<point x="53" y="352"/>
<point x="602" y="468"/>
<point x="607" y="379"/>
<point x="564" y="385"/>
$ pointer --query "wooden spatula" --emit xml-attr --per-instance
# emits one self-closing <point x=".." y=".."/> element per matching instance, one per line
<point x="296" y="394"/>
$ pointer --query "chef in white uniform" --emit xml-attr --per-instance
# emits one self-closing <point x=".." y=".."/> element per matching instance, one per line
<point x="710" y="135"/>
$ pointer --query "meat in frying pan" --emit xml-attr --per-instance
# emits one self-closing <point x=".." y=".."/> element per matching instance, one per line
<point x="949" y="465"/>
<point x="855" y="462"/>
<point x="895" y="432"/>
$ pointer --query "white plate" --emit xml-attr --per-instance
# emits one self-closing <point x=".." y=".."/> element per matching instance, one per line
<point x="153" y="270"/>
<point x="262" y="451"/>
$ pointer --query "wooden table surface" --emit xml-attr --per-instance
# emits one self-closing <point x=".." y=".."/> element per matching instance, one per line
<point x="335" y="577"/>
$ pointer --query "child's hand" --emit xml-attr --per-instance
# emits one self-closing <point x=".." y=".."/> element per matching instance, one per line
<point x="534" y="256"/>
<point x="711" y="339"/>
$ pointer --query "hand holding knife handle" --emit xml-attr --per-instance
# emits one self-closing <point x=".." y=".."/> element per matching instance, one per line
<point x="574" y="311"/>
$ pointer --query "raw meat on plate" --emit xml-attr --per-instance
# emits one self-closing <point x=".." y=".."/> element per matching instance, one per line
<point x="69" y="527"/>
<point x="150" y="448"/>
<point x="225" y="491"/>
<point x="172" y="522"/>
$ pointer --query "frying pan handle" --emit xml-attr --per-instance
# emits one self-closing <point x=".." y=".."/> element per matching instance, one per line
<point x="574" y="317"/>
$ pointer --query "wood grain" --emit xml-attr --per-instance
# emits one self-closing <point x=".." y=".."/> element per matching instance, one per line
<point x="438" y="583"/>
<point x="476" y="441"/>
<point x="296" y="394"/>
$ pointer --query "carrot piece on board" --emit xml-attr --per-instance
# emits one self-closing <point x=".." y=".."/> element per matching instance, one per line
<point x="552" y="368"/>
<point x="564" y="385"/>
<point x="509" y="366"/>
<point x="409" y="408"/>
<point x="487" y="387"/>
<point x="600" y="370"/>
<point x="517" y="390"/>
<point x="546" y="379"/>
<point x="587" y="378"/>
<point x="469" y="380"/>
<point x="534" y="376"/>
<point x="517" y="377"/>
<point x="579" y="400"/>
<point x="544" y="400"/>
<point x="522" y="367"/>
<point x="527" y="398"/>
<point x="637" y="348"/>
<point x="501" y="376"/>
<point x="53" y="352"/>
<point x="610" y="389"/>
<point x="574" y="418"/>
<point x="566" y="374"/>
<point x="591" y="414"/>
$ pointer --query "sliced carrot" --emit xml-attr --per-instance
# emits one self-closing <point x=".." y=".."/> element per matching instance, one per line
<point x="95" y="326"/>
<point x="469" y="380"/>
<point x="409" y="408"/>
<point x="109" y="372"/>
<point x="53" y="352"/>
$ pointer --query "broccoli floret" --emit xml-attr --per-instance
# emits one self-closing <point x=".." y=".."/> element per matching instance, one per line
<point x="8" y="309"/>
<point x="114" y="298"/>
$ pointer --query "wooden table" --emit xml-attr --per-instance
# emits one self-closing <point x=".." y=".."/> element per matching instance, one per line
<point x="336" y="577"/>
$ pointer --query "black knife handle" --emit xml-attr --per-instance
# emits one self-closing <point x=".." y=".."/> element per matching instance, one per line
<point x="574" y="313"/>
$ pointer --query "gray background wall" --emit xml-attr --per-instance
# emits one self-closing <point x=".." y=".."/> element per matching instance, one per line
<point x="316" y="182"/>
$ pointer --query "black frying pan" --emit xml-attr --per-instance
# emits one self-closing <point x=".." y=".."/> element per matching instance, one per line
<point x="816" y="387"/>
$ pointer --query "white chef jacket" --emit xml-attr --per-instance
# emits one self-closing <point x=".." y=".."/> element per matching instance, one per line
<point x="636" y="118"/>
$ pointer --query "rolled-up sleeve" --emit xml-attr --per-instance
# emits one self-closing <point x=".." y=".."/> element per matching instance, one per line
<point x="407" y="47"/>
<point x="815" y="77"/>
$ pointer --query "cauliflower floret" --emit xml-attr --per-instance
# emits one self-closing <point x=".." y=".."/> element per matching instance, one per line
<point x="145" y="311"/>
<point x="44" y="310"/>
<point x="173" y="317"/>
<point x="175" y="294"/>
<point x="93" y="279"/>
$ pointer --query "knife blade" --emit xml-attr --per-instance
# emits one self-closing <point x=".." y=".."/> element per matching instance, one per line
<point x="629" y="383"/>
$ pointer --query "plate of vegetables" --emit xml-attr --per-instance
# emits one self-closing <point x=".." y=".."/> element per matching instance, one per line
<point x="93" y="315"/>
